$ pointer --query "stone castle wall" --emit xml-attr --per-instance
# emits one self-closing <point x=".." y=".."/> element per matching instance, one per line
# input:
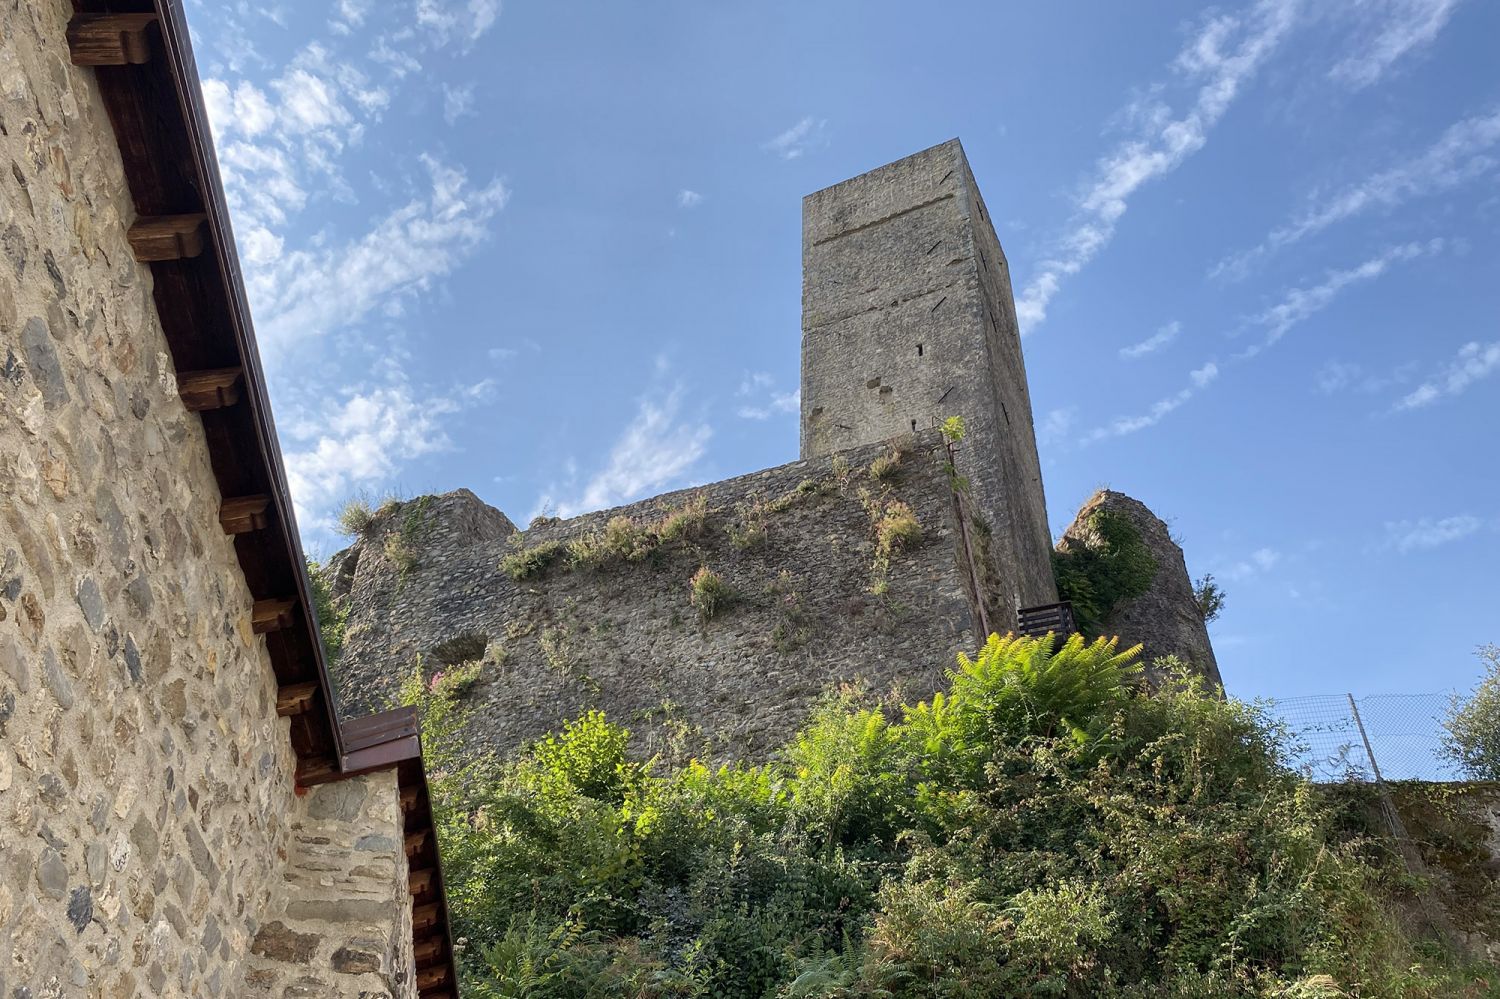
<point x="623" y="636"/>
<point x="146" y="798"/>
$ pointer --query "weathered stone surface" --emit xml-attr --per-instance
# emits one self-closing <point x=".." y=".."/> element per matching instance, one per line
<point x="1165" y="619"/>
<point x="280" y="942"/>
<point x="41" y="360"/>
<point x="795" y="545"/>
<point x="908" y="318"/>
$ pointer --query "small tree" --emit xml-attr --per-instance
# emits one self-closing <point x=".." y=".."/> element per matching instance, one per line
<point x="1210" y="597"/>
<point x="1472" y="739"/>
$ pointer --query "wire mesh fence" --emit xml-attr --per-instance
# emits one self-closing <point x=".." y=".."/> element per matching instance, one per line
<point x="1338" y="737"/>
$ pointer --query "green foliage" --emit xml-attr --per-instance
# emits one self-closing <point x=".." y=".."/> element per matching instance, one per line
<point x="896" y="529"/>
<point x="333" y="617"/>
<point x="1106" y="565"/>
<point x="953" y="429"/>
<point x="687" y="521"/>
<point x="1043" y="827"/>
<point x="524" y="562"/>
<point x="1472" y="739"/>
<point x="887" y="465"/>
<point x="1209" y="596"/>
<point x="708" y="593"/>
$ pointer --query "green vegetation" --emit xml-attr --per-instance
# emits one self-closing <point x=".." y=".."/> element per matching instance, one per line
<point x="896" y="529"/>
<point x="1209" y="596"/>
<point x="529" y="561"/>
<point x="355" y="518"/>
<point x="333" y="618"/>
<point x="708" y="594"/>
<point x="1108" y="564"/>
<point x="1472" y="739"/>
<point x="1043" y="827"/>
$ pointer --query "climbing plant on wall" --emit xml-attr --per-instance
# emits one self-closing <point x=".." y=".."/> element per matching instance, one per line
<point x="1105" y="565"/>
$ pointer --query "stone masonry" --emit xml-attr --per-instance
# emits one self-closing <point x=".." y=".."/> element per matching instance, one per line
<point x="907" y="319"/>
<point x="146" y="782"/>
<point x="795" y="545"/>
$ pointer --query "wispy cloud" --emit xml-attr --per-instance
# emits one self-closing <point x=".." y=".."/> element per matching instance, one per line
<point x="657" y="450"/>
<point x="358" y="439"/>
<point x="1199" y="379"/>
<point x="1475" y="361"/>
<point x="1346" y="376"/>
<point x="1420" y="535"/>
<point x="1056" y="424"/>
<point x="688" y="199"/>
<point x="763" y="399"/>
<point x="1463" y="152"/>
<point x="1218" y="61"/>
<point x="458" y="102"/>
<point x="1259" y="562"/>
<point x="313" y="290"/>
<point x="794" y="142"/>
<point x="463" y="21"/>
<point x="1300" y="304"/>
<point x="1152" y="343"/>
<point x="1394" y="29"/>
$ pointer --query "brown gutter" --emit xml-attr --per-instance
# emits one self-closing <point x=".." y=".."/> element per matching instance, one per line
<point x="147" y="77"/>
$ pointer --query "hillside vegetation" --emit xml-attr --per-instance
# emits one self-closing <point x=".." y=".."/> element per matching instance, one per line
<point x="1040" y="828"/>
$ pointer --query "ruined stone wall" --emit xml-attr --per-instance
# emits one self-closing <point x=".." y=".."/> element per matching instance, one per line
<point x="340" y="924"/>
<point x="907" y="319"/>
<point x="145" y="779"/>
<point x="794" y="544"/>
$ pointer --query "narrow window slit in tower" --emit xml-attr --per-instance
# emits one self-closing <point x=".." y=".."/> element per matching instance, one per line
<point x="919" y="350"/>
<point x="913" y="426"/>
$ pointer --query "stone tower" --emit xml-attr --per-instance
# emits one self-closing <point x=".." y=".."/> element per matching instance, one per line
<point x="907" y="318"/>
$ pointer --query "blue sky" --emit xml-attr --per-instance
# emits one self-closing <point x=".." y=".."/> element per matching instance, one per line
<point x="551" y="252"/>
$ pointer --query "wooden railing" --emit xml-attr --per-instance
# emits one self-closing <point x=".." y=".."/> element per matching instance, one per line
<point x="1035" y="622"/>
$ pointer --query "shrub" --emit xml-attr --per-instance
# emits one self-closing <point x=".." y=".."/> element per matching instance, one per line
<point x="333" y="616"/>
<point x="1043" y="826"/>
<point x="708" y="593"/>
<point x="687" y="521"/>
<point x="525" y="562"/>
<point x="1209" y="596"/>
<point x="886" y="466"/>
<point x="1472" y="737"/>
<point x="355" y="518"/>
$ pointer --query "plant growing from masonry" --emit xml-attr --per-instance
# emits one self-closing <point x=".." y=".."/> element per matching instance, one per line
<point x="333" y="616"/>
<point x="355" y="517"/>
<point x="1044" y="826"/>
<point x="896" y="529"/>
<point x="708" y="593"/>
<point x="1107" y="565"/>
<point x="1472" y="724"/>
<point x="1209" y="596"/>
<point x="524" y="562"/>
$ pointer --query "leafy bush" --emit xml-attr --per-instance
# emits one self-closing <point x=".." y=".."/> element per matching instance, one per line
<point x="1472" y="739"/>
<point x="1042" y="827"/>
<point x="1104" y="567"/>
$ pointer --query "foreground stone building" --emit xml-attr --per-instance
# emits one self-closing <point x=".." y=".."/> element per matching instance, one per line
<point x="908" y="320"/>
<point x="181" y="812"/>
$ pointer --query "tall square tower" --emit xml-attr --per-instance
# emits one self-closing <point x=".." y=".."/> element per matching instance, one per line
<point x="907" y="319"/>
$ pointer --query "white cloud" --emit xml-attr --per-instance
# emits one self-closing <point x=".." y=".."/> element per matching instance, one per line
<point x="657" y="450"/>
<point x="1419" y="535"/>
<point x="1261" y="561"/>
<point x="464" y="21"/>
<point x="1122" y="426"/>
<point x="348" y="15"/>
<point x="1302" y="303"/>
<point x="688" y="199"/>
<point x="1396" y="28"/>
<point x="1339" y="376"/>
<point x="310" y="291"/>
<point x="457" y="102"/>
<point x="1475" y="361"/>
<point x="763" y="398"/>
<point x="797" y="140"/>
<point x="1219" y="61"/>
<point x="1056" y="424"/>
<point x="1462" y="153"/>
<point x="357" y="440"/>
<point x="1152" y="343"/>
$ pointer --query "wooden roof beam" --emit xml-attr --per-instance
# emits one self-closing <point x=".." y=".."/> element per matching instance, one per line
<point x="272" y="615"/>
<point x="214" y="388"/>
<point x="156" y="238"/>
<point x="420" y="882"/>
<point x="296" y="699"/>
<point x="244" y="514"/>
<point x="111" y="39"/>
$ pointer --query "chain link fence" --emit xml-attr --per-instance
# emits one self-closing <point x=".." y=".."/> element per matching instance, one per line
<point x="1339" y="737"/>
